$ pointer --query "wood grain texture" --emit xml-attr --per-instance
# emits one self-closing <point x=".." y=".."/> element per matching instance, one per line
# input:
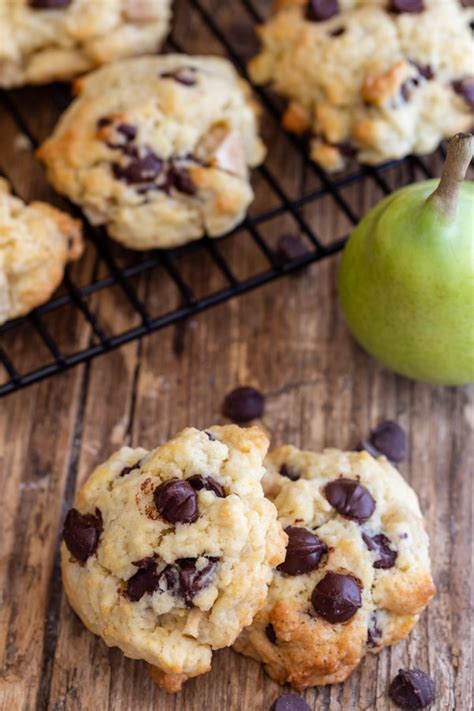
<point x="289" y="340"/>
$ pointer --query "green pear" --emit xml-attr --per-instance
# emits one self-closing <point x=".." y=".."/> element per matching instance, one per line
<point x="406" y="282"/>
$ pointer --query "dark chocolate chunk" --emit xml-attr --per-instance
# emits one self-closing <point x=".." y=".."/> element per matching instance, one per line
<point x="465" y="88"/>
<point x="127" y="130"/>
<point x="191" y="580"/>
<point x="104" y="122"/>
<point x="387" y="438"/>
<point x="290" y="247"/>
<point x="144" y="169"/>
<point x="182" y="75"/>
<point x="400" y="6"/>
<point x="386" y="556"/>
<point x="49" y="4"/>
<point x="320" y="10"/>
<point x="289" y="472"/>
<point x="412" y="689"/>
<point x="243" y="404"/>
<point x="180" y="180"/>
<point x="270" y="632"/>
<point x="336" y="597"/>
<point x="337" y="32"/>
<point x="127" y="470"/>
<point x="350" y="499"/>
<point x="81" y="533"/>
<point x="145" y="580"/>
<point x="425" y="70"/>
<point x="303" y="553"/>
<point x="176" y="501"/>
<point x="199" y="482"/>
<point x="289" y="702"/>
<point x="374" y="633"/>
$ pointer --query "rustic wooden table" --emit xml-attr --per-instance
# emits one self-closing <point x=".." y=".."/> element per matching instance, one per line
<point x="289" y="340"/>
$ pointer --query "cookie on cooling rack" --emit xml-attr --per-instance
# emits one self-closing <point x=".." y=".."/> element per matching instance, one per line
<point x="356" y="574"/>
<point x="168" y="554"/>
<point x="49" y="40"/>
<point x="158" y="149"/>
<point x="370" y="79"/>
<point x="36" y="242"/>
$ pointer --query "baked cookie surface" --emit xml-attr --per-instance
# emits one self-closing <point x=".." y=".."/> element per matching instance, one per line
<point x="158" y="149"/>
<point x="370" y="79"/>
<point x="357" y="571"/>
<point x="168" y="553"/>
<point x="36" y="242"/>
<point x="49" y="40"/>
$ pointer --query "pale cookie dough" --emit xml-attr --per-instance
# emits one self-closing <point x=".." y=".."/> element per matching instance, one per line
<point x="357" y="571"/>
<point x="370" y="79"/>
<point x="168" y="554"/>
<point x="36" y="242"/>
<point x="158" y="149"/>
<point x="49" y="40"/>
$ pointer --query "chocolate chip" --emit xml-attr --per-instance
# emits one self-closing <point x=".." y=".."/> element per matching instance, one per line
<point x="303" y="552"/>
<point x="374" y="633"/>
<point x="104" y="122"/>
<point x="145" y="580"/>
<point x="210" y="435"/>
<point x="127" y="130"/>
<point x="412" y="689"/>
<point x="289" y="702"/>
<point x="465" y="88"/>
<point x="182" y="75"/>
<point x="191" y="580"/>
<point x="243" y="404"/>
<point x="199" y="482"/>
<point x="400" y="6"/>
<point x="81" y="533"/>
<point x="290" y="247"/>
<point x="127" y="470"/>
<point x="142" y="169"/>
<point x="336" y="597"/>
<point x="289" y="472"/>
<point x="271" y="634"/>
<point x="386" y="556"/>
<point x="180" y="180"/>
<point x="350" y="499"/>
<point x="320" y="10"/>
<point x="337" y="32"/>
<point x="49" y="4"/>
<point x="176" y="501"/>
<point x="425" y="70"/>
<point x="387" y="438"/>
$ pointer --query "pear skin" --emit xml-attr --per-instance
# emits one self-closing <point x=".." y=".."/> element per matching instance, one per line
<point x="406" y="281"/>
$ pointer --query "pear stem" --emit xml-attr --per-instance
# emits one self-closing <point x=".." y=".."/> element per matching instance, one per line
<point x="445" y="197"/>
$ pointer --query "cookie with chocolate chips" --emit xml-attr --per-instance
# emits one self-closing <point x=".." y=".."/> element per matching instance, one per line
<point x="356" y="575"/>
<point x="168" y="554"/>
<point x="158" y="149"/>
<point x="372" y="80"/>
<point x="56" y="40"/>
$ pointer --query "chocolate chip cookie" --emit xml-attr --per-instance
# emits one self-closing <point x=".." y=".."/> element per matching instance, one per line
<point x="356" y="574"/>
<point x="370" y="79"/>
<point x="49" y="40"/>
<point x="168" y="554"/>
<point x="36" y="242"/>
<point x="158" y="149"/>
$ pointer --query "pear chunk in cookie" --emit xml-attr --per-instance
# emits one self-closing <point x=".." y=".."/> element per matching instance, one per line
<point x="158" y="149"/>
<point x="357" y="571"/>
<point x="36" y="243"/>
<point x="168" y="554"/>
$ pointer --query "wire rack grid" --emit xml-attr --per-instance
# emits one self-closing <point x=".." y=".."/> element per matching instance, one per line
<point x="122" y="272"/>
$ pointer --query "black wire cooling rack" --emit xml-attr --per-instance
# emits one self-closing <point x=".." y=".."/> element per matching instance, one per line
<point x="122" y="271"/>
